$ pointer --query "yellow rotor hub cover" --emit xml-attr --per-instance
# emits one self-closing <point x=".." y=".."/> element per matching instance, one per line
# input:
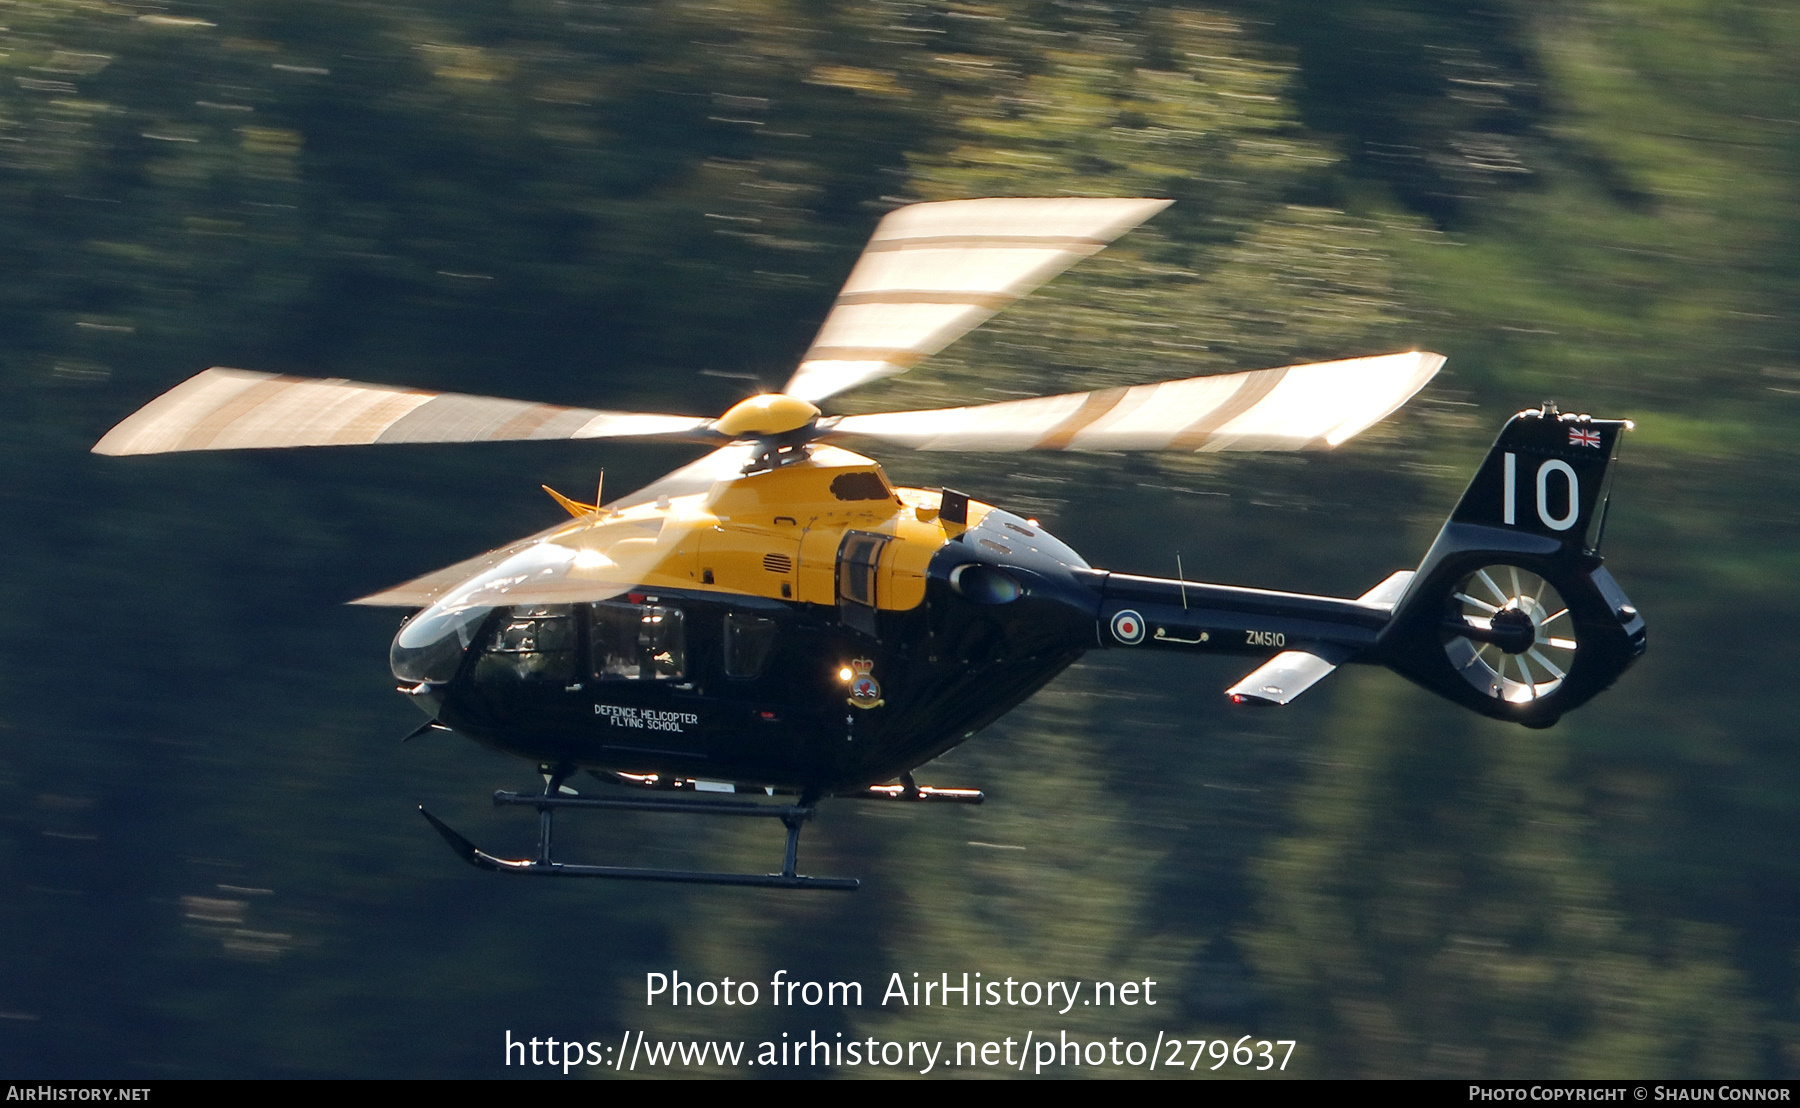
<point x="766" y="415"/>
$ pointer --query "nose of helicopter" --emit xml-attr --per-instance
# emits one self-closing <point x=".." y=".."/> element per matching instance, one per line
<point x="429" y="648"/>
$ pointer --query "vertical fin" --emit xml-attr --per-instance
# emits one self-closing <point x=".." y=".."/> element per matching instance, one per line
<point x="1545" y="476"/>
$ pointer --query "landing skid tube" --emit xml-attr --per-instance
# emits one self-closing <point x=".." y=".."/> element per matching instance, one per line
<point x="911" y="792"/>
<point x="907" y="791"/>
<point x="792" y="816"/>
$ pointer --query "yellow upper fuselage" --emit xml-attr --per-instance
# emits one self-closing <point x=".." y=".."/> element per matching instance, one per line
<point x="772" y="534"/>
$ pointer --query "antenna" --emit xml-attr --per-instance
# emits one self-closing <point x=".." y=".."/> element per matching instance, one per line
<point x="1179" y="576"/>
<point x="599" y="493"/>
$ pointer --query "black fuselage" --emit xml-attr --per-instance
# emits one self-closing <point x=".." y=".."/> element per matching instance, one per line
<point x="837" y="698"/>
<point x="797" y="713"/>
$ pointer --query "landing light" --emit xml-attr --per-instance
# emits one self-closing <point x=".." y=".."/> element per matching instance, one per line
<point x="844" y="673"/>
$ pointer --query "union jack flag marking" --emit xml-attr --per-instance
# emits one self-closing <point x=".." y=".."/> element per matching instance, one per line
<point x="1579" y="437"/>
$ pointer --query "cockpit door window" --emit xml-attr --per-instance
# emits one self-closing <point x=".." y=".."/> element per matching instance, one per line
<point x="637" y="642"/>
<point x="530" y="643"/>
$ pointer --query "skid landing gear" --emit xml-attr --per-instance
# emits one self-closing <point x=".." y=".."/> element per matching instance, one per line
<point x="906" y="790"/>
<point x="556" y="795"/>
<point x="910" y="791"/>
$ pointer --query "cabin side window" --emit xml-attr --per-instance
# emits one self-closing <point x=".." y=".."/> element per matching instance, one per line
<point x="857" y="560"/>
<point x="534" y="643"/>
<point x="748" y="640"/>
<point x="637" y="642"/>
<point x="858" y="557"/>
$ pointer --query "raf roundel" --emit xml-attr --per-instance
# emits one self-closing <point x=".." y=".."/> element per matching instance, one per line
<point x="1128" y="627"/>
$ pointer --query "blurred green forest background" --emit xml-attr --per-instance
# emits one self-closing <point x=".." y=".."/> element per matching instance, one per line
<point x="209" y="856"/>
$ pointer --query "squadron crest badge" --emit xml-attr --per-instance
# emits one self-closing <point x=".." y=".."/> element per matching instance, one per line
<point x="865" y="691"/>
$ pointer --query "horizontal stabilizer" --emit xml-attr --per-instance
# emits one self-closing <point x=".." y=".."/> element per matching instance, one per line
<point x="1388" y="593"/>
<point x="1286" y="675"/>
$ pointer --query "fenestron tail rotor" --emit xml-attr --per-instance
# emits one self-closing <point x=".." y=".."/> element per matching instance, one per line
<point x="1512" y="613"/>
<point x="1510" y="634"/>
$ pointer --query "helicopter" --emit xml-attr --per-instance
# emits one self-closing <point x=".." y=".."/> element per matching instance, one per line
<point x="777" y="623"/>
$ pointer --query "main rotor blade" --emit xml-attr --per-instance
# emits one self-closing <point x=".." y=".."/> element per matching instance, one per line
<point x="521" y="573"/>
<point x="424" y="590"/>
<point x="1301" y="407"/>
<point x="696" y="476"/>
<point x="235" y="409"/>
<point x="933" y="272"/>
<point x="593" y="558"/>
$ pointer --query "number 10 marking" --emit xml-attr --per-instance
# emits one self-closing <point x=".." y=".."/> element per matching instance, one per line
<point x="1509" y="493"/>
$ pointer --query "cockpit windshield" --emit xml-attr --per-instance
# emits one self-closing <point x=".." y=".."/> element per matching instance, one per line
<point x="430" y="647"/>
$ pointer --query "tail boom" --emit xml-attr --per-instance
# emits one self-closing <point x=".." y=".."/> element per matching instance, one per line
<point x="1511" y="614"/>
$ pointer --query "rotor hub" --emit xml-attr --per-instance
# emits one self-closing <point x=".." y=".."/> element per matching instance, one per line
<point x="1514" y="631"/>
<point x="766" y="416"/>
